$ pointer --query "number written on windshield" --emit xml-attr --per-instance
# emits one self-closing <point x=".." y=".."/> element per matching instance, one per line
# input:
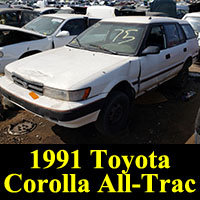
<point x="124" y="35"/>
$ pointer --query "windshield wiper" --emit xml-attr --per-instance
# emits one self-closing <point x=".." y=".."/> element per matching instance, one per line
<point x="102" y="48"/>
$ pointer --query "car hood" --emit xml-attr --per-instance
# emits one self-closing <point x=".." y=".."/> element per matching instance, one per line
<point x="65" y="67"/>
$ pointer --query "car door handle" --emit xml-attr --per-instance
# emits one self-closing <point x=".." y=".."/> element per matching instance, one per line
<point x="185" y="49"/>
<point x="168" y="56"/>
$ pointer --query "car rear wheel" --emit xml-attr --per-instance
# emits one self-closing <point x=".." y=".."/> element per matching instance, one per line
<point x="180" y="81"/>
<point x="114" y="115"/>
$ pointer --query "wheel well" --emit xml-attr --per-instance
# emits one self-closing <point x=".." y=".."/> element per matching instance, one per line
<point x="29" y="53"/>
<point x="125" y="87"/>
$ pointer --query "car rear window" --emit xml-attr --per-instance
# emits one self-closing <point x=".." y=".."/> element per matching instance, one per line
<point x="189" y="32"/>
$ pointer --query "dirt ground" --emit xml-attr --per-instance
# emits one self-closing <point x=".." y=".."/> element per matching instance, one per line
<point x="161" y="116"/>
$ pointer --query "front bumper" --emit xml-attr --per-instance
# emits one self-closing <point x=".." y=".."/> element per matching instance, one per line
<point x="54" y="110"/>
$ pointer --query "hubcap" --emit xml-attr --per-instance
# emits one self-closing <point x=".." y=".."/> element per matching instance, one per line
<point x="116" y="113"/>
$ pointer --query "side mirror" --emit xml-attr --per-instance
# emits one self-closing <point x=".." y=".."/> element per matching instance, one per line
<point x="63" y="34"/>
<point x="196" y="33"/>
<point x="151" y="50"/>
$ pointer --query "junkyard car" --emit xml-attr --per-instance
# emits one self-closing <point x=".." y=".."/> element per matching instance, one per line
<point x="43" y="33"/>
<point x="46" y="10"/>
<point x="194" y="20"/>
<point x="98" y="75"/>
<point x="16" y="17"/>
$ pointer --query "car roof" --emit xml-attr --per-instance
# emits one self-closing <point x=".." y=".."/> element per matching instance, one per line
<point x="45" y="9"/>
<point x="6" y="27"/>
<point x="64" y="16"/>
<point x="14" y="9"/>
<point x="143" y="19"/>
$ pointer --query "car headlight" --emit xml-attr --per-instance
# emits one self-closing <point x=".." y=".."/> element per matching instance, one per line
<point x="76" y="95"/>
<point x="1" y="54"/>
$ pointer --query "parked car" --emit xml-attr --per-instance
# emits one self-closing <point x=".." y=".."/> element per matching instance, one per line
<point x="45" y="32"/>
<point x="194" y="20"/>
<point x="65" y="10"/>
<point x="181" y="10"/>
<point x="21" y="6"/>
<point x="16" y="17"/>
<point x="100" y="12"/>
<point x="46" y="10"/>
<point x="3" y="5"/>
<point x="16" y="43"/>
<point x="96" y="77"/>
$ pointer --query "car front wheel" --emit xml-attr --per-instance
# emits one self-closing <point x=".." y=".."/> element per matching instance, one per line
<point x="114" y="115"/>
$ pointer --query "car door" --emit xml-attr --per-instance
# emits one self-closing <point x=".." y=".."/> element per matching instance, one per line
<point x="178" y="50"/>
<point x="192" y="45"/>
<point x="153" y="64"/>
<point x="74" y="26"/>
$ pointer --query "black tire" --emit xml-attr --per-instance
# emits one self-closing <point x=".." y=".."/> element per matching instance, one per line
<point x="114" y="115"/>
<point x="181" y="79"/>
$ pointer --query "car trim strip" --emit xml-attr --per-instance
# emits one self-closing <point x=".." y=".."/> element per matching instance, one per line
<point x="158" y="74"/>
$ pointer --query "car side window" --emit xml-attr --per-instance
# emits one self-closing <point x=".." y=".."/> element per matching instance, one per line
<point x="10" y="18"/>
<point x="172" y="35"/>
<point x="156" y="37"/>
<point x="189" y="32"/>
<point x="181" y="34"/>
<point x="8" y="37"/>
<point x="74" y="26"/>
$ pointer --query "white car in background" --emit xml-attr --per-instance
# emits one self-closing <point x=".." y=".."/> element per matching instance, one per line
<point x="96" y="77"/>
<point x="46" y="10"/>
<point x="43" y="33"/>
<point x="65" y="10"/>
<point x="194" y="20"/>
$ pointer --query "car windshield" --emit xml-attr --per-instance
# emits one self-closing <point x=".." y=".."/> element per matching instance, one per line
<point x="195" y="23"/>
<point x="44" y="25"/>
<point x="115" y="38"/>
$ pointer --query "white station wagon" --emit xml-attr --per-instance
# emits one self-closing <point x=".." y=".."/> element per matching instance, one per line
<point x="96" y="77"/>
